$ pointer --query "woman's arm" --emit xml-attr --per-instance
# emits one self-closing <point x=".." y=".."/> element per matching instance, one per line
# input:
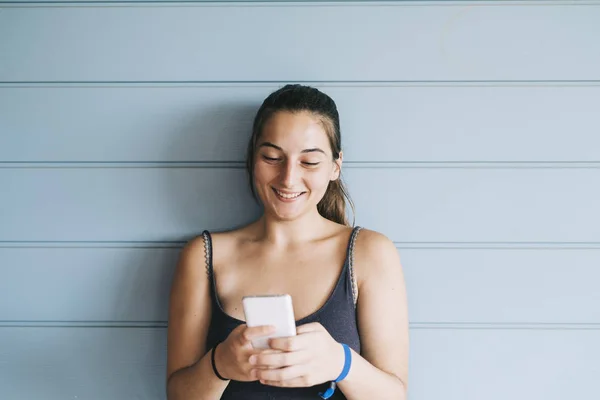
<point x="189" y="370"/>
<point x="382" y="370"/>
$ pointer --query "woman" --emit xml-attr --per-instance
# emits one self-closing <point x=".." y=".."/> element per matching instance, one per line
<point x="346" y="283"/>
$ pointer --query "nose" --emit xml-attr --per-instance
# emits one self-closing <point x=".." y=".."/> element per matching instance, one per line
<point x="289" y="174"/>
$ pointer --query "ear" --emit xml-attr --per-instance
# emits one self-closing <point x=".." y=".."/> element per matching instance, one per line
<point x="337" y="167"/>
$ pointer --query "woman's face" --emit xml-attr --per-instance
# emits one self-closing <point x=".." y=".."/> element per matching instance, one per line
<point x="293" y="164"/>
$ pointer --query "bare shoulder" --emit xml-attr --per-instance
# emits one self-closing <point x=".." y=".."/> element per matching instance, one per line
<point x="373" y="241"/>
<point x="190" y="276"/>
<point x="375" y="256"/>
<point x="192" y="259"/>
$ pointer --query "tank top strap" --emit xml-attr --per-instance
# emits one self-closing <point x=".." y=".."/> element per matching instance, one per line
<point x="208" y="255"/>
<point x="350" y="260"/>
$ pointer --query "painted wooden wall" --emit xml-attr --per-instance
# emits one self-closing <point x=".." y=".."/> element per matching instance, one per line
<point x="471" y="134"/>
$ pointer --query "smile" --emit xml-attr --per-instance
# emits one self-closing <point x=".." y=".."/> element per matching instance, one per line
<point x="287" y="196"/>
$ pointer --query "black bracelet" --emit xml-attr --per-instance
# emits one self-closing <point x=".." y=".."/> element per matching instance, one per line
<point x="214" y="367"/>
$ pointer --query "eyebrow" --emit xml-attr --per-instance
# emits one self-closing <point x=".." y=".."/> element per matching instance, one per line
<point x="312" y="150"/>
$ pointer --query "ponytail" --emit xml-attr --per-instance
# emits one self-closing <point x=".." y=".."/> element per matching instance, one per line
<point x="333" y="204"/>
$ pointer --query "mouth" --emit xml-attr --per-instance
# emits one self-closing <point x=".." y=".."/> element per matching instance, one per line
<point x="287" y="196"/>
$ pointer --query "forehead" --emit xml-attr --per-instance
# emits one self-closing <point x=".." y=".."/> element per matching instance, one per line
<point x="295" y="131"/>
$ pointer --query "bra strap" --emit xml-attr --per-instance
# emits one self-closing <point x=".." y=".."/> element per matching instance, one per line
<point x="208" y="253"/>
<point x="351" y="263"/>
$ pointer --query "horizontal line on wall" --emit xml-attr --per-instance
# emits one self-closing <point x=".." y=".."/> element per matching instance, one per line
<point x="322" y="83"/>
<point x="76" y="244"/>
<point x="505" y="325"/>
<point x="347" y="164"/>
<point x="413" y="325"/>
<point x="123" y="164"/>
<point x="498" y="245"/>
<point x="83" y="324"/>
<point x="313" y="3"/>
<point x="124" y="244"/>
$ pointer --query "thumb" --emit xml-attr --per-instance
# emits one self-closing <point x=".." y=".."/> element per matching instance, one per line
<point x="307" y="328"/>
<point x="257" y="331"/>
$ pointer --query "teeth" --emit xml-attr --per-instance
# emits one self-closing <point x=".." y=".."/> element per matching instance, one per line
<point x="288" y="196"/>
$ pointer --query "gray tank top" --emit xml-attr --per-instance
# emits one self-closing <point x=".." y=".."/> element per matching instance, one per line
<point x="337" y="315"/>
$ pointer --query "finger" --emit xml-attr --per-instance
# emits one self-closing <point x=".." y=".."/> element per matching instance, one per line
<point x="312" y="327"/>
<point x="279" y="359"/>
<point x="264" y="351"/>
<point x="268" y="351"/>
<point x="254" y="351"/>
<point x="262" y="367"/>
<point x="257" y="331"/>
<point x="292" y="343"/>
<point x="301" y="381"/>
<point x="281" y="374"/>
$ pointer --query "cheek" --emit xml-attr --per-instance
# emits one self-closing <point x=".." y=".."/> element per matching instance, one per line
<point x="318" y="181"/>
<point x="263" y="174"/>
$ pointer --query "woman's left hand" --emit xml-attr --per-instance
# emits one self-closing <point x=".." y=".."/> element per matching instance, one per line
<point x="310" y="358"/>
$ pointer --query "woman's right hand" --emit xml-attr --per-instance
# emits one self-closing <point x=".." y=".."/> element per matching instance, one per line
<point x="233" y="354"/>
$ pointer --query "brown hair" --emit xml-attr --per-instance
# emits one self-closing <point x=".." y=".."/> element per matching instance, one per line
<point x="297" y="98"/>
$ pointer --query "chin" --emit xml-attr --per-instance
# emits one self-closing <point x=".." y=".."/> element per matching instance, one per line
<point x="280" y="213"/>
<point x="285" y="216"/>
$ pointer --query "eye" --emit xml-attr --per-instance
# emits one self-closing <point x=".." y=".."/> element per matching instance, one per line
<point x="270" y="158"/>
<point x="311" y="164"/>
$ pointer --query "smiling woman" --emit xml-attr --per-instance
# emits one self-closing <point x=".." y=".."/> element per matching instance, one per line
<point x="302" y="245"/>
<point x="295" y="116"/>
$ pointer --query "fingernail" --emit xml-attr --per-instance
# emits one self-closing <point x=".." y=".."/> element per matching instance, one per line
<point x="252" y="360"/>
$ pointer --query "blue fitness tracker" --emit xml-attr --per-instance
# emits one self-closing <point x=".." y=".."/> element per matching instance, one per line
<point x="347" y="363"/>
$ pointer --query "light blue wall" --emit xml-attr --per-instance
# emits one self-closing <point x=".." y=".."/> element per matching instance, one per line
<point x="471" y="140"/>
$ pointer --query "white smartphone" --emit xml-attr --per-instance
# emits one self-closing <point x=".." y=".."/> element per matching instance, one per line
<point x="276" y="310"/>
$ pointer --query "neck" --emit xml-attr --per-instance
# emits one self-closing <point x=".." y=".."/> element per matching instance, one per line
<point x="285" y="233"/>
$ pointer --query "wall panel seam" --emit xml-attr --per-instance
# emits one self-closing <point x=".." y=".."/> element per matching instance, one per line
<point x="43" y="165"/>
<point x="466" y="245"/>
<point x="412" y="325"/>
<point x="324" y="83"/>
<point x="306" y="3"/>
